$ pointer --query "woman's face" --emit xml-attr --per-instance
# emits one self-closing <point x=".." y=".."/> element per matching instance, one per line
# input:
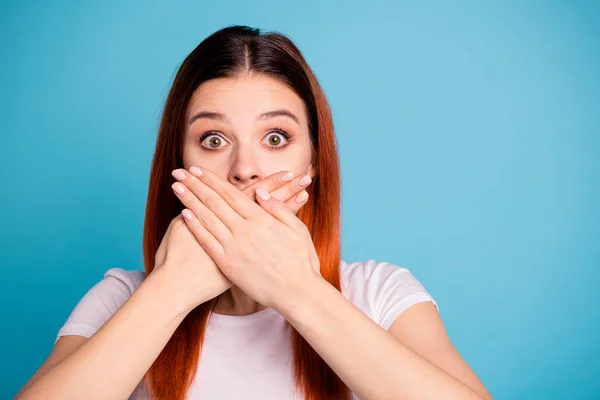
<point x="247" y="128"/>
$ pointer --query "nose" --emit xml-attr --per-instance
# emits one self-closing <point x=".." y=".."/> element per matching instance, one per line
<point x="244" y="170"/>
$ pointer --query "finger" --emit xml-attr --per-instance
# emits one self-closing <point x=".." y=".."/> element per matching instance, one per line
<point x="286" y="192"/>
<point x="278" y="209"/>
<point x="297" y="202"/>
<point x="291" y="189"/>
<point x="204" y="215"/>
<point x="208" y="198"/>
<point x="205" y="238"/>
<point x="217" y="193"/>
<point x="269" y="183"/>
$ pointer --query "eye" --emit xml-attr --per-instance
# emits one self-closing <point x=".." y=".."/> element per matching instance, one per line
<point x="212" y="141"/>
<point x="277" y="138"/>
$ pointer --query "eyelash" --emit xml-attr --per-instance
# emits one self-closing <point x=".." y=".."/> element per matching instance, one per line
<point x="287" y="136"/>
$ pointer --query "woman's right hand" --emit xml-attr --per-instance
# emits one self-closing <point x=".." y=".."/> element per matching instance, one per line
<point x="189" y="271"/>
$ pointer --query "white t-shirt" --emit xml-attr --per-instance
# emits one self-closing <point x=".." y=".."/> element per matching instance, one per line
<point x="250" y="357"/>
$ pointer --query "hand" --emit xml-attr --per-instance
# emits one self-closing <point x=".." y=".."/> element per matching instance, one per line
<point x="186" y="268"/>
<point x="190" y="271"/>
<point x="262" y="248"/>
<point x="292" y="193"/>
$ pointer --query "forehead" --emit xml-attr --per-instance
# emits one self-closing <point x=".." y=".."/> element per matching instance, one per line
<point x="252" y="94"/>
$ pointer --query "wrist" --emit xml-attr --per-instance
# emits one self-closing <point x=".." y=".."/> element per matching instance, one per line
<point x="297" y="304"/>
<point x="164" y="289"/>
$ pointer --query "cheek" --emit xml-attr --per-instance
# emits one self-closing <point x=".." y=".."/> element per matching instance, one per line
<point x="215" y="163"/>
<point x="294" y="160"/>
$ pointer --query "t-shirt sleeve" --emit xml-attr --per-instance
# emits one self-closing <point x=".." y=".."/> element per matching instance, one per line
<point x="382" y="290"/>
<point x="101" y="302"/>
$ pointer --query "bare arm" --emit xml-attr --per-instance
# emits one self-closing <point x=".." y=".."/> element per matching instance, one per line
<point x="371" y="361"/>
<point x="422" y="330"/>
<point x="64" y="346"/>
<point x="111" y="363"/>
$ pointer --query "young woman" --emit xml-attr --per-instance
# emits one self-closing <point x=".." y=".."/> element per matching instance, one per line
<point x="244" y="294"/>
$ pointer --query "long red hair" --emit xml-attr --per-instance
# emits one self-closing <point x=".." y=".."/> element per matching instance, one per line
<point x="226" y="53"/>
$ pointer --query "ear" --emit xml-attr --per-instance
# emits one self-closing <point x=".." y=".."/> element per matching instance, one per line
<point x="311" y="170"/>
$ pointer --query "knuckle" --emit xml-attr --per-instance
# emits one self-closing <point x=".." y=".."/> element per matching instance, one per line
<point x="209" y="201"/>
<point x="249" y="191"/>
<point x="273" y="183"/>
<point x="292" y="206"/>
<point x="192" y="188"/>
<point x="227" y="197"/>
<point x="292" y="188"/>
<point x="207" y="219"/>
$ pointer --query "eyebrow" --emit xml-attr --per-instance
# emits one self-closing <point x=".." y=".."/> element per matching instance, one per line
<point x="208" y="115"/>
<point x="278" y="113"/>
<point x="222" y="117"/>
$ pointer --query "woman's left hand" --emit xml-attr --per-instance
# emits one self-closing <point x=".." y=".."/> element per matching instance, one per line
<point x="263" y="248"/>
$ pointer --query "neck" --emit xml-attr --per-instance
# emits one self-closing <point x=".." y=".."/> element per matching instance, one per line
<point x="236" y="302"/>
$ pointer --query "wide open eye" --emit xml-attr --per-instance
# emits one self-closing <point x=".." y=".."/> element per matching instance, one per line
<point x="212" y="141"/>
<point x="277" y="138"/>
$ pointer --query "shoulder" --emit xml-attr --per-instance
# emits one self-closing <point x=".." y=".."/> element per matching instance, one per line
<point x="381" y="290"/>
<point x="101" y="301"/>
<point x="127" y="278"/>
<point x="117" y="285"/>
<point x="371" y="274"/>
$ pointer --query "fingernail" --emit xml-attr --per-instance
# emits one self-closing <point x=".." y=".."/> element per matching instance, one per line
<point x="178" y="187"/>
<point x="196" y="171"/>
<point x="302" y="197"/>
<point x="178" y="174"/>
<point x="187" y="214"/>
<point x="288" y="176"/>
<point x="304" y="181"/>
<point x="262" y="193"/>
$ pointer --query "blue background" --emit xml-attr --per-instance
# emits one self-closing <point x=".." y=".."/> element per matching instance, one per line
<point x="469" y="138"/>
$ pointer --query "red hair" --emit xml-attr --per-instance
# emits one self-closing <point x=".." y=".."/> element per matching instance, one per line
<point x="227" y="53"/>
